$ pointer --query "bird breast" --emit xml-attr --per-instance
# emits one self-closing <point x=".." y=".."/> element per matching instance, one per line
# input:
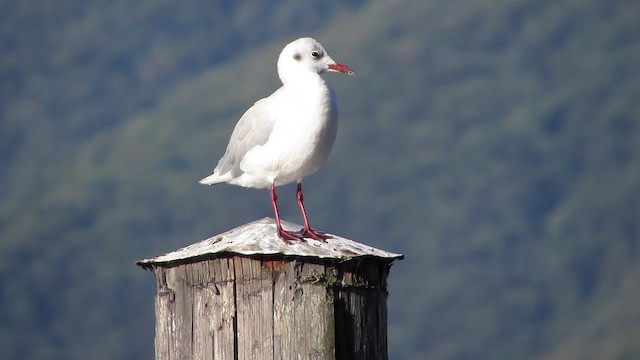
<point x="302" y="136"/>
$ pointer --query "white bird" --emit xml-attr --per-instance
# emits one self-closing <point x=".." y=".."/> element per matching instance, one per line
<point x="289" y="134"/>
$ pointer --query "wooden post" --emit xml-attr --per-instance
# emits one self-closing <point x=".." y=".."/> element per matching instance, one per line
<point x="246" y="294"/>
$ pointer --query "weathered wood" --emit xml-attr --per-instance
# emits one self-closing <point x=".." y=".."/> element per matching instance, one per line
<point x="361" y="310"/>
<point x="303" y="313"/>
<point x="255" y="309"/>
<point x="313" y="314"/>
<point x="223" y="320"/>
<point x="213" y="311"/>
<point x="164" y="315"/>
<point x="182" y="318"/>
<point x="233" y="306"/>
<point x="203" y="299"/>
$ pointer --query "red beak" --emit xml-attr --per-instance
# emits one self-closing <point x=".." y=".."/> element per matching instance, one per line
<point x="341" y="68"/>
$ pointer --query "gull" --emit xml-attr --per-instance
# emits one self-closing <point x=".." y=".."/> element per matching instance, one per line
<point x="289" y="134"/>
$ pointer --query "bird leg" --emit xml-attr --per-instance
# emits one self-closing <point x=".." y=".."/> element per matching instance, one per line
<point x="282" y="233"/>
<point x="306" y="231"/>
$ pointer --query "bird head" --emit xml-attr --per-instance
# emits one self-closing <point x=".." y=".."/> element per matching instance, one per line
<point x="307" y="56"/>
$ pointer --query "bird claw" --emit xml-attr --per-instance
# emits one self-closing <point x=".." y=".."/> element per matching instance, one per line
<point x="288" y="236"/>
<point x="312" y="234"/>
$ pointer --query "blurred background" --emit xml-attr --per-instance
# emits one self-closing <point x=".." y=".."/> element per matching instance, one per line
<point x="495" y="143"/>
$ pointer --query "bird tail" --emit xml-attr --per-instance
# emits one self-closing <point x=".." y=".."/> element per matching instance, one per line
<point x="215" y="178"/>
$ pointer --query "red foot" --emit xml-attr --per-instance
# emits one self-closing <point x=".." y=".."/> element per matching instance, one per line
<point x="312" y="234"/>
<point x="288" y="236"/>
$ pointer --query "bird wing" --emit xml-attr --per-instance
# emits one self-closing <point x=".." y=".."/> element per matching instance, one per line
<point x="253" y="129"/>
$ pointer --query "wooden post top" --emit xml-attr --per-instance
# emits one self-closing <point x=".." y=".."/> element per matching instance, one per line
<point x="259" y="238"/>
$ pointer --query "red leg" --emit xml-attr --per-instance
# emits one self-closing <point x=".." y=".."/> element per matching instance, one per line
<point x="282" y="233"/>
<point x="306" y="231"/>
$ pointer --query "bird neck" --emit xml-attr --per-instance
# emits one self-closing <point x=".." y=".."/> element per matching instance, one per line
<point x="302" y="80"/>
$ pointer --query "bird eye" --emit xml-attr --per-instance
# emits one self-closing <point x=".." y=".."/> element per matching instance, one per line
<point x="315" y="54"/>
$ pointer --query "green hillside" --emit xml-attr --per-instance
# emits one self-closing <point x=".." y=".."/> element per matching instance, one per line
<point x="494" y="143"/>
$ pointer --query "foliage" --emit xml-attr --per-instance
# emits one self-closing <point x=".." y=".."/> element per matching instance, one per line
<point x="495" y="143"/>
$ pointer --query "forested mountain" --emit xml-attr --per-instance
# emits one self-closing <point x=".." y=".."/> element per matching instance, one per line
<point x="495" y="143"/>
